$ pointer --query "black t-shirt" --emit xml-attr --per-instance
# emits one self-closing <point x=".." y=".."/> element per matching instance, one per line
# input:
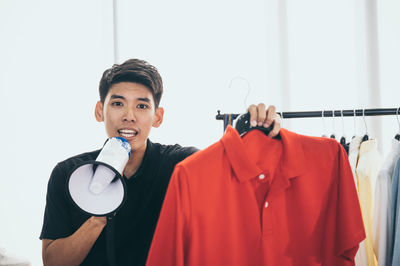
<point x="135" y="221"/>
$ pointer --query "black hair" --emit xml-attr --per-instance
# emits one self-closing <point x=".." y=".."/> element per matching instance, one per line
<point x="132" y="70"/>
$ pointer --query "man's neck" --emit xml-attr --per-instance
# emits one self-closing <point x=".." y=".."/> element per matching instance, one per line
<point x="134" y="163"/>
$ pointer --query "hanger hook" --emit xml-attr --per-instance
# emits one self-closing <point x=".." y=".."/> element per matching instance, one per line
<point x="248" y="88"/>
<point x="323" y="124"/>
<point x="355" y="122"/>
<point x="365" y="123"/>
<point x="333" y="125"/>
<point x="341" y="113"/>
<point x="397" y="116"/>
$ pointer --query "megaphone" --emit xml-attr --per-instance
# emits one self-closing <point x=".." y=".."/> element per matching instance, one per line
<point x="97" y="187"/>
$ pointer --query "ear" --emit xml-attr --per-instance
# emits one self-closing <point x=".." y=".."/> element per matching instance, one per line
<point x="98" y="112"/>
<point x="158" y="117"/>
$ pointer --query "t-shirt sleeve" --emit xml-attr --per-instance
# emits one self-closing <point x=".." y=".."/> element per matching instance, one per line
<point x="56" y="222"/>
<point x="172" y="234"/>
<point x="349" y="227"/>
<point x="184" y="152"/>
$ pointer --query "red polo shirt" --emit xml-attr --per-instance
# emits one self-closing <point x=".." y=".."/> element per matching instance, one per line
<point x="260" y="201"/>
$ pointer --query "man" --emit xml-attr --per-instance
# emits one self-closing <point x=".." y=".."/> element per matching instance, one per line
<point x="130" y="94"/>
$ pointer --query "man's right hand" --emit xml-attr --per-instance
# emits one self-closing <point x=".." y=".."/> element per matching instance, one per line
<point x="99" y="220"/>
<point x="73" y="250"/>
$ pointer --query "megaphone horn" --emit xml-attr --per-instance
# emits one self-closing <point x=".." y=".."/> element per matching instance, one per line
<point x="97" y="187"/>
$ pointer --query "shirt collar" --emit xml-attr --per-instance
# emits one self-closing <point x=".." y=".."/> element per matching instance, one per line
<point x="355" y="143"/>
<point x="292" y="161"/>
<point x="369" y="146"/>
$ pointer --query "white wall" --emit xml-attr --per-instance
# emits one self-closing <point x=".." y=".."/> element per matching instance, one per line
<point x="199" y="47"/>
<point x="52" y="55"/>
<point x="297" y="55"/>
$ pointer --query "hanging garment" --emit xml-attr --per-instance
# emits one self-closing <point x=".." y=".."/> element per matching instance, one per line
<point x="345" y="145"/>
<point x="394" y="255"/>
<point x="260" y="201"/>
<point x="368" y="166"/>
<point x="354" y="149"/>
<point x="382" y="210"/>
<point x="227" y="120"/>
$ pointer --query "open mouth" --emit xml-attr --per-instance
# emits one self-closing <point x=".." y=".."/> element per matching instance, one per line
<point x="127" y="133"/>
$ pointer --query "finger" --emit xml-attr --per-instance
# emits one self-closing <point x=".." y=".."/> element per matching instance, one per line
<point x="261" y="114"/>
<point x="271" y="115"/>
<point x="99" y="219"/>
<point x="253" y="115"/>
<point x="276" y="127"/>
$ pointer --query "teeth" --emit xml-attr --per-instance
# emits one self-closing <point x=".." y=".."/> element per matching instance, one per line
<point x="127" y="133"/>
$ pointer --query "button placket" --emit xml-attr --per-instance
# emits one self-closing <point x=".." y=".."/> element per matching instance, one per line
<point x="267" y="219"/>
<point x="266" y="212"/>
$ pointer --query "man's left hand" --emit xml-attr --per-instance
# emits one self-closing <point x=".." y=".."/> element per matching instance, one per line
<point x="262" y="116"/>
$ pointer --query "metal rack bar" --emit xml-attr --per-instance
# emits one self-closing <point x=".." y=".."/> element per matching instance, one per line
<point x="329" y="113"/>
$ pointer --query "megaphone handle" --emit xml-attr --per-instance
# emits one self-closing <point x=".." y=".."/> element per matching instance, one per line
<point x="110" y="241"/>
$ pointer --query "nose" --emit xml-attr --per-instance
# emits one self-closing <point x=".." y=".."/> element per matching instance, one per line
<point x="129" y="115"/>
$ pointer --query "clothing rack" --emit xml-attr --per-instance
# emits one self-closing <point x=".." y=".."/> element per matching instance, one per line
<point x="229" y="118"/>
<point x="326" y="113"/>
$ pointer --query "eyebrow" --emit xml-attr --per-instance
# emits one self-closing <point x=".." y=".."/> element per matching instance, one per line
<point x="147" y="100"/>
<point x="116" y="96"/>
<point x="144" y="99"/>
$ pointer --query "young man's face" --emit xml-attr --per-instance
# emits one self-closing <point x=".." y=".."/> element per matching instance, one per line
<point x="129" y="112"/>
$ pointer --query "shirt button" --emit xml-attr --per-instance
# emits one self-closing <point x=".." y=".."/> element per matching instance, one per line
<point x="266" y="204"/>
<point x="261" y="176"/>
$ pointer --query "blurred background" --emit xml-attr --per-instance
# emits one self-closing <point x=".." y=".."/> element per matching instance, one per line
<point x="297" y="55"/>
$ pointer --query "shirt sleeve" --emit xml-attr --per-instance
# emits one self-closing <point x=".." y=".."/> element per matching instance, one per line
<point x="56" y="217"/>
<point x="380" y="217"/>
<point x="171" y="238"/>
<point x="395" y="219"/>
<point x="349" y="227"/>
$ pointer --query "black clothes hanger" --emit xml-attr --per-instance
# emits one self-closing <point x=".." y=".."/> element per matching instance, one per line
<point x="344" y="144"/>
<point x="243" y="125"/>
<point x="343" y="140"/>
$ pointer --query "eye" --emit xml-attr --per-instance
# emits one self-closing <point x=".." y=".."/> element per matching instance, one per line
<point x="117" y="103"/>
<point x="142" y="106"/>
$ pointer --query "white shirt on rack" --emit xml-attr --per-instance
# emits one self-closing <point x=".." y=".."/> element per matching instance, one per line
<point x="382" y="211"/>
<point x="382" y="214"/>
<point x="354" y="148"/>
<point x="368" y="166"/>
